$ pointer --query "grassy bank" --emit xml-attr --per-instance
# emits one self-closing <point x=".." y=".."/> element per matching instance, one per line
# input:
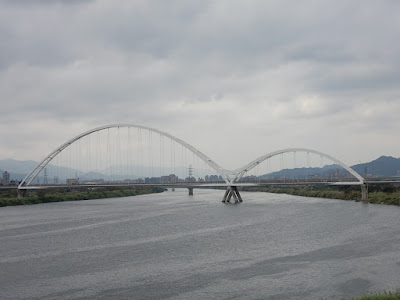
<point x="9" y="198"/>
<point x="378" y="194"/>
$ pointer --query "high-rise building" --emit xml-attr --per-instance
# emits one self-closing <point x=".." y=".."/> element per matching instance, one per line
<point x="6" y="177"/>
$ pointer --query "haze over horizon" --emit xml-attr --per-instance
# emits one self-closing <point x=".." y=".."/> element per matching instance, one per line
<point x="236" y="80"/>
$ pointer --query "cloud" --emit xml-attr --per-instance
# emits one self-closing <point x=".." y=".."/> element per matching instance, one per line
<point x="273" y="74"/>
<point x="28" y="3"/>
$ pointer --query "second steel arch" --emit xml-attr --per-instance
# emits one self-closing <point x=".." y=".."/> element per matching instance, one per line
<point x="240" y="172"/>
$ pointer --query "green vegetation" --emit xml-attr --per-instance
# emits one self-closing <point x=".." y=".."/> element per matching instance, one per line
<point x="385" y="194"/>
<point x="378" y="296"/>
<point x="9" y="197"/>
<point x="378" y="194"/>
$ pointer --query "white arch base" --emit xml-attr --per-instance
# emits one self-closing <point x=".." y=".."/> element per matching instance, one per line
<point x="232" y="191"/>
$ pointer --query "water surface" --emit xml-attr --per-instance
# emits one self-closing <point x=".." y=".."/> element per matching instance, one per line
<point x="176" y="246"/>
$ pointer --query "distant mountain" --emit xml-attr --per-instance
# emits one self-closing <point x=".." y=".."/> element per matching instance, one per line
<point x="301" y="172"/>
<point x="382" y="166"/>
<point x="17" y="166"/>
<point x="19" y="169"/>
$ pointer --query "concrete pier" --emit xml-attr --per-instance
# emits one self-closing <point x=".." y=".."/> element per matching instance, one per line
<point x="364" y="192"/>
<point x="190" y="191"/>
<point x="232" y="191"/>
<point x="21" y="193"/>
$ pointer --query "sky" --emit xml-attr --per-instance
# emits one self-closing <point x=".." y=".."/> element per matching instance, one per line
<point x="235" y="79"/>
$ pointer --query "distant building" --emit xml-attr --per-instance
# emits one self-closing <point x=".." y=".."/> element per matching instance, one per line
<point x="72" y="181"/>
<point x="251" y="178"/>
<point x="6" y="178"/>
<point x="94" y="181"/>
<point x="190" y="179"/>
<point x="214" y="178"/>
<point x="169" y="178"/>
<point x="152" y="180"/>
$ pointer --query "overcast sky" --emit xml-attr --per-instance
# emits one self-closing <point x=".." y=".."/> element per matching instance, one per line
<point x="236" y="79"/>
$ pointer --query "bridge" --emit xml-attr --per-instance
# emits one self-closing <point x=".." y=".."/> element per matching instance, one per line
<point x="136" y="155"/>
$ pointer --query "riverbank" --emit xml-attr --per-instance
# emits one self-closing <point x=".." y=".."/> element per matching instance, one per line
<point x="8" y="198"/>
<point x="378" y="194"/>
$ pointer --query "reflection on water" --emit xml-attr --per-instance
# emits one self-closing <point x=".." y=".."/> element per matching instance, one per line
<point x="174" y="245"/>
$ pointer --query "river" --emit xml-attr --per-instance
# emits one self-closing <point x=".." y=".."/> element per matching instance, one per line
<point x="176" y="246"/>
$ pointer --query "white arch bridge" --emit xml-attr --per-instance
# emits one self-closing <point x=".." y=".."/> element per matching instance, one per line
<point x="136" y="155"/>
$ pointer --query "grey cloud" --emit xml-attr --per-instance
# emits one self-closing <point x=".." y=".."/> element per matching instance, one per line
<point x="215" y="64"/>
<point x="43" y="2"/>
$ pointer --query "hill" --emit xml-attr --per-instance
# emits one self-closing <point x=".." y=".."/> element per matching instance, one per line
<point x="19" y="169"/>
<point x="382" y="166"/>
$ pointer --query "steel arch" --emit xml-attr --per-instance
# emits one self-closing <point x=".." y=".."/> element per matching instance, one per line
<point x="240" y="172"/>
<point x="32" y="175"/>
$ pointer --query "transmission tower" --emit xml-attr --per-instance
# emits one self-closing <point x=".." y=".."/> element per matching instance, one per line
<point x="190" y="172"/>
<point x="45" y="182"/>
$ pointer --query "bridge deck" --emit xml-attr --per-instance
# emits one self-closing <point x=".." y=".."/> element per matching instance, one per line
<point x="207" y="184"/>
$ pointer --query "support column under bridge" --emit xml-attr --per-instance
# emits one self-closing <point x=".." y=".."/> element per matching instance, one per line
<point x="21" y="193"/>
<point x="232" y="191"/>
<point x="364" y="192"/>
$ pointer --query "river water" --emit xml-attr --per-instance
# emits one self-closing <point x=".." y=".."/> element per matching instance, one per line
<point x="176" y="246"/>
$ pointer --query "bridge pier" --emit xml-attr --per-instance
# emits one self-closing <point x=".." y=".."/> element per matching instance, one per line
<point x="232" y="191"/>
<point x="190" y="191"/>
<point x="21" y="193"/>
<point x="364" y="192"/>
